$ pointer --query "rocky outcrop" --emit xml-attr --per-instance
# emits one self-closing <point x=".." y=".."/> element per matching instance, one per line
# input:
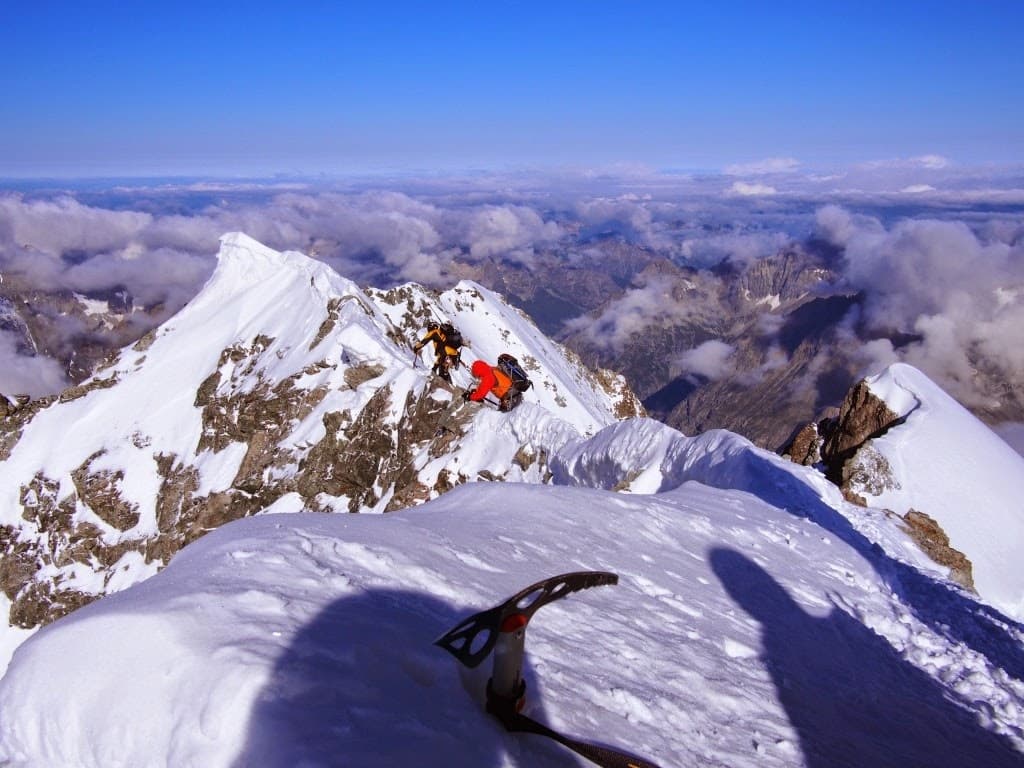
<point x="100" y="490"/>
<point x="839" y="444"/>
<point x="842" y="445"/>
<point x="862" y="416"/>
<point x="935" y="543"/>
<point x="805" y="447"/>
<point x="866" y="472"/>
<point x="51" y="539"/>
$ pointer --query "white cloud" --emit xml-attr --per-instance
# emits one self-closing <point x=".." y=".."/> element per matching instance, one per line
<point x="751" y="189"/>
<point x="836" y="225"/>
<point x="713" y="360"/>
<point x="933" y="162"/>
<point x="654" y="302"/>
<point x="927" y="162"/>
<point x="766" y="166"/>
<point x="629" y="215"/>
<point x="961" y="296"/>
<point x="21" y="375"/>
<point x="508" y="231"/>
<point x="738" y="247"/>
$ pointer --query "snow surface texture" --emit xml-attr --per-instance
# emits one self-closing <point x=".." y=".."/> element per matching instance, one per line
<point x="739" y="635"/>
<point x="954" y="469"/>
<point x="759" y="619"/>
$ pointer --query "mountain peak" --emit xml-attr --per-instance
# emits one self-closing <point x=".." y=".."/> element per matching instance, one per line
<point x="280" y="385"/>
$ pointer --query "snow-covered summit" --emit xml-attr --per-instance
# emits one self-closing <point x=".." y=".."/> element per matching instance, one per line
<point x="950" y="466"/>
<point x="281" y="384"/>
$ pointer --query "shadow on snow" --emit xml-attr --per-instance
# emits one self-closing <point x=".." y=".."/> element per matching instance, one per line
<point x="949" y="611"/>
<point x="852" y="700"/>
<point x="363" y="685"/>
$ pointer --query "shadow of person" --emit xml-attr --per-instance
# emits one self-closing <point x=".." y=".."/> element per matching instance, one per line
<point x="947" y="610"/>
<point x="852" y="700"/>
<point x="363" y="685"/>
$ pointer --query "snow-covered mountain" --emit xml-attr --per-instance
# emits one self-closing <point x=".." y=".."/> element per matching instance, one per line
<point x="945" y="463"/>
<point x="902" y="446"/>
<point x="280" y="385"/>
<point x="760" y="618"/>
<point x="743" y="632"/>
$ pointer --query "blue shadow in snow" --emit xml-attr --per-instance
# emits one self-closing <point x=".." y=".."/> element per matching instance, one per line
<point x="851" y="698"/>
<point x="363" y="685"/>
<point x="949" y="611"/>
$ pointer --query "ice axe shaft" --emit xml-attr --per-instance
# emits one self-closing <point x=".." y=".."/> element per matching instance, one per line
<point x="502" y="629"/>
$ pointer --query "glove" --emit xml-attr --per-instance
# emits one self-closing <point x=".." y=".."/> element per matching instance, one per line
<point x="466" y="394"/>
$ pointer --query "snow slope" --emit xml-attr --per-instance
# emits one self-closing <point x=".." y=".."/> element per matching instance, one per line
<point x="952" y="467"/>
<point x="562" y="384"/>
<point x="739" y="635"/>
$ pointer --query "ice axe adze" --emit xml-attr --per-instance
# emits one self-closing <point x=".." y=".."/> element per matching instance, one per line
<point x="502" y="629"/>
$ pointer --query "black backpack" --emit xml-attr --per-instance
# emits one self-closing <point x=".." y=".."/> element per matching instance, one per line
<point x="451" y="334"/>
<point x="511" y="368"/>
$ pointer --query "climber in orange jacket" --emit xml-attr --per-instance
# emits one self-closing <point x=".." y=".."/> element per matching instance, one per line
<point x="493" y="379"/>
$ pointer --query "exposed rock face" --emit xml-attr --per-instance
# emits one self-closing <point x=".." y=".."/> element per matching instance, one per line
<point x="866" y="471"/>
<point x="780" y="279"/>
<point x="100" y="490"/>
<point x="51" y="538"/>
<point x="861" y="417"/>
<point x="841" y="443"/>
<point x="17" y="412"/>
<point x="934" y="541"/>
<point x="806" y="446"/>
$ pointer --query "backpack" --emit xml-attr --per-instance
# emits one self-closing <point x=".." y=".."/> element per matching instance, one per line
<point x="451" y="334"/>
<point x="511" y="368"/>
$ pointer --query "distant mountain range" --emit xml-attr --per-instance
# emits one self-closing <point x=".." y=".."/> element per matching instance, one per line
<point x="758" y="348"/>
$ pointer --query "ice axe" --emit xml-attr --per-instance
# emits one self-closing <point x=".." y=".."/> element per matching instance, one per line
<point x="502" y="629"/>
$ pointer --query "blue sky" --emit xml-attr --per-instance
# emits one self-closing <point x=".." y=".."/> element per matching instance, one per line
<point x="98" y="88"/>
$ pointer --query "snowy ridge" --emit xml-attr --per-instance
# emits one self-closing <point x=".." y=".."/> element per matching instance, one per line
<point x="280" y="385"/>
<point x="739" y="635"/>
<point x="981" y="512"/>
<point x="646" y="456"/>
<point x="490" y="327"/>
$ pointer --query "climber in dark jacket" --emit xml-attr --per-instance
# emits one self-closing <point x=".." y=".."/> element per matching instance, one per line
<point x="446" y="356"/>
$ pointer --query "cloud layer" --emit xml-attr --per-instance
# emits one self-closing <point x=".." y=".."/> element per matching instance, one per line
<point x="936" y="250"/>
<point x="956" y="291"/>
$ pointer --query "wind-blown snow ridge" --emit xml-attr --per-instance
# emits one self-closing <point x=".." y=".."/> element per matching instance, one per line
<point x="953" y="468"/>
